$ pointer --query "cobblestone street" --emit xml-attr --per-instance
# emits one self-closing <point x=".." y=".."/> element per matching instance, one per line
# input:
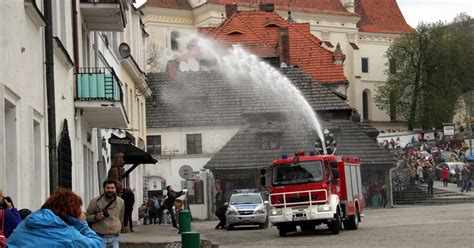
<point x="412" y="226"/>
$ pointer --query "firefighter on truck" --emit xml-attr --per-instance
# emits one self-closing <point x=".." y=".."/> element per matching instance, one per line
<point x="308" y="190"/>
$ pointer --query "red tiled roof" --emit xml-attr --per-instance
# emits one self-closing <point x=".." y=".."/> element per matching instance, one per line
<point x="381" y="16"/>
<point x="334" y="7"/>
<point x="257" y="31"/>
<point x="171" y="4"/>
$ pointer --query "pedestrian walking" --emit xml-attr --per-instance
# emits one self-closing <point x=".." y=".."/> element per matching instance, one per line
<point x="60" y="222"/>
<point x="429" y="180"/>
<point x="169" y="202"/>
<point x="466" y="178"/>
<point x="445" y="175"/>
<point x="129" y="200"/>
<point x="106" y="212"/>
<point x="220" y="210"/>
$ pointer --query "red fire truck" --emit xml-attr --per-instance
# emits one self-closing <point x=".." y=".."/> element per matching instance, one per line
<point x="310" y="190"/>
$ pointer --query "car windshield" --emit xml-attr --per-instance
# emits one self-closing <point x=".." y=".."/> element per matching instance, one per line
<point x="245" y="199"/>
<point x="456" y="165"/>
<point x="299" y="172"/>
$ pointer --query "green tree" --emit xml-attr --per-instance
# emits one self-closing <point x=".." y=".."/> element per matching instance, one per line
<point x="429" y="69"/>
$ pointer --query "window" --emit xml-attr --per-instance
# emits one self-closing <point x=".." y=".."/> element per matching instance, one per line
<point x="365" y="65"/>
<point x="196" y="196"/>
<point x="393" y="107"/>
<point x="154" y="144"/>
<point x="392" y="66"/>
<point x="194" y="143"/>
<point x="268" y="141"/>
<point x="174" y="41"/>
<point x="365" y="105"/>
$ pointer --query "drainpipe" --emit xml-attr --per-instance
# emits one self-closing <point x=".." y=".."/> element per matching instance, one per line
<point x="75" y="38"/>
<point x="49" y="64"/>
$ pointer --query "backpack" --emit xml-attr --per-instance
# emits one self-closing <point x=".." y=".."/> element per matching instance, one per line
<point x="3" y="239"/>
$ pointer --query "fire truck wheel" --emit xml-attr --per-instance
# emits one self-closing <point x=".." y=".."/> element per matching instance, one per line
<point x="353" y="222"/>
<point x="335" y="225"/>
<point x="282" y="231"/>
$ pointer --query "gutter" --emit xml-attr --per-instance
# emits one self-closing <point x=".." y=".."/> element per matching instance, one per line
<point x="49" y="64"/>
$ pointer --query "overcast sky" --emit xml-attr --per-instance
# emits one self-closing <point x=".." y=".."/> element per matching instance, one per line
<point x="428" y="10"/>
<point x="415" y="11"/>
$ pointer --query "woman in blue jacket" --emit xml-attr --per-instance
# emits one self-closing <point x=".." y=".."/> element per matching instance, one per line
<point x="59" y="223"/>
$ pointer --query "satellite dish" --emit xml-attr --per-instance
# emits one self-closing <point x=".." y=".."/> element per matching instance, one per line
<point x="124" y="50"/>
<point x="193" y="64"/>
<point x="183" y="66"/>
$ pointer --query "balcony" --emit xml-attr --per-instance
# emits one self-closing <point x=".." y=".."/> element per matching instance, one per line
<point x="104" y="15"/>
<point x="99" y="95"/>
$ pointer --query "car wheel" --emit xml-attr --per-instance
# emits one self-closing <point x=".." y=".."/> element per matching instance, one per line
<point x="230" y="227"/>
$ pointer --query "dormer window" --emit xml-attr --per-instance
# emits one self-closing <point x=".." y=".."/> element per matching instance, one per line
<point x="268" y="141"/>
<point x="235" y="33"/>
<point x="272" y="25"/>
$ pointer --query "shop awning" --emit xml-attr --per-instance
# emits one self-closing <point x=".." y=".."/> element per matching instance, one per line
<point x="132" y="154"/>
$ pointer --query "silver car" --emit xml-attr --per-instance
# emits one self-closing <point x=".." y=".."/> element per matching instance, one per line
<point x="246" y="209"/>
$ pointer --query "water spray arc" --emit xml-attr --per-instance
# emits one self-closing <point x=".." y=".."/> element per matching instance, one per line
<point x="235" y="62"/>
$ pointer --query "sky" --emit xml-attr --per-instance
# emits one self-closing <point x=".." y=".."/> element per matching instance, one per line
<point x="415" y="11"/>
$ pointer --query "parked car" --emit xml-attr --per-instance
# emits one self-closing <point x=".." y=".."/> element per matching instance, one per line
<point x="426" y="154"/>
<point x="412" y="145"/>
<point x="451" y="168"/>
<point x="246" y="208"/>
<point x="440" y="157"/>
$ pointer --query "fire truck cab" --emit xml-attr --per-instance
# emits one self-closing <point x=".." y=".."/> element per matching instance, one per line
<point x="310" y="190"/>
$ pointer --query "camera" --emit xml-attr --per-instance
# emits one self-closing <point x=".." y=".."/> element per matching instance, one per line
<point x="105" y="212"/>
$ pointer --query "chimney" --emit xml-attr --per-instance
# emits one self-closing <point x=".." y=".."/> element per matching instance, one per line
<point x="284" y="46"/>
<point x="230" y="10"/>
<point x="267" y="7"/>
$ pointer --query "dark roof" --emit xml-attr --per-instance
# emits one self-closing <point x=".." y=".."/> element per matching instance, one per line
<point x="243" y="150"/>
<point x="226" y="100"/>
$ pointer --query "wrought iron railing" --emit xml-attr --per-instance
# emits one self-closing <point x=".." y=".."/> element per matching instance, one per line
<point x="98" y="83"/>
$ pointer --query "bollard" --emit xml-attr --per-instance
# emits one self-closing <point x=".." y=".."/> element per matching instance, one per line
<point x="190" y="240"/>
<point x="184" y="221"/>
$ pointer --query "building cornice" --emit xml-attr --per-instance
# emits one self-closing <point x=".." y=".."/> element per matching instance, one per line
<point x="62" y="53"/>
<point x="137" y="74"/>
<point x="34" y="13"/>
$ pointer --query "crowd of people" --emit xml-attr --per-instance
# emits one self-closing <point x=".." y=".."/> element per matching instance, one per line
<point x="162" y="209"/>
<point x="419" y="161"/>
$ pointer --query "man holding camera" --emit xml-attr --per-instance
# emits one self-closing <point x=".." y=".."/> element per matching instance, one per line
<point x="105" y="213"/>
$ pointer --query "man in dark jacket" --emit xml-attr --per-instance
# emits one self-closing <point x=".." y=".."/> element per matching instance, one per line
<point x="220" y="210"/>
<point x="169" y="202"/>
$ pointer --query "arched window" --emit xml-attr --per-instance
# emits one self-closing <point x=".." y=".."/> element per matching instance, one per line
<point x="174" y="40"/>
<point x="365" y="105"/>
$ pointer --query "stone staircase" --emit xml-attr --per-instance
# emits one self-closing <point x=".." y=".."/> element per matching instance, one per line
<point x="418" y="195"/>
